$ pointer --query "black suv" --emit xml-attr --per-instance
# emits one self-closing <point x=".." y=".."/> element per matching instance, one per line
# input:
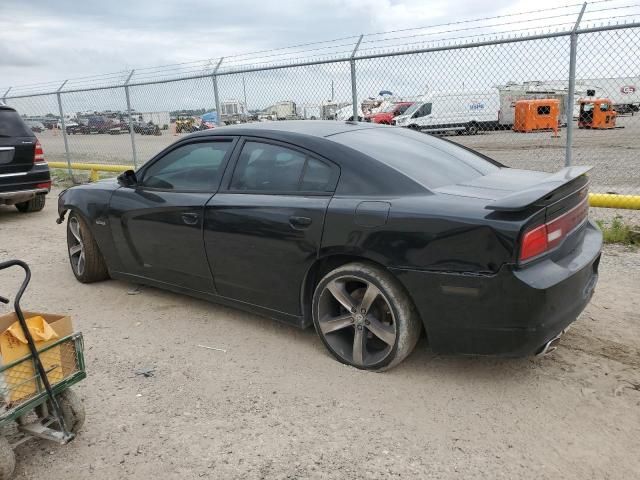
<point x="24" y="174"/>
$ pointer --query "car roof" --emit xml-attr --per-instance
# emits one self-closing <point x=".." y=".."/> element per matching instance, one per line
<point x="315" y="128"/>
<point x="4" y="106"/>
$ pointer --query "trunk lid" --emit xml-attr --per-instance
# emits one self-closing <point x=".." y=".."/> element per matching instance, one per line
<point x="512" y="190"/>
<point x="535" y="198"/>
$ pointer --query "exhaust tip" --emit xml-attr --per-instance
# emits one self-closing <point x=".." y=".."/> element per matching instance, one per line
<point x="551" y="345"/>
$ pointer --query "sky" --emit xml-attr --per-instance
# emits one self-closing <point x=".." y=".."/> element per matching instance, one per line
<point x="44" y="40"/>
<point x="50" y="41"/>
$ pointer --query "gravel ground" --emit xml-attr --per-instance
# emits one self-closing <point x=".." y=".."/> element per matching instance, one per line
<point x="276" y="406"/>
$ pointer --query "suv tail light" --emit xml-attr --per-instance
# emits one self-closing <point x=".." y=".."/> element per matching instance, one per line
<point x="38" y="154"/>
<point x="546" y="237"/>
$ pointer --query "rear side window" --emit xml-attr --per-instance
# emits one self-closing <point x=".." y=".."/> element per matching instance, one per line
<point x="430" y="161"/>
<point x="265" y="167"/>
<point x="192" y="167"/>
<point x="12" y="125"/>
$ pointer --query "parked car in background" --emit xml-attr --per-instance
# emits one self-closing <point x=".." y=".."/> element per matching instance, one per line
<point x="99" y="124"/>
<point x="460" y="112"/>
<point x="386" y="116"/>
<point x="77" y="128"/>
<point x="24" y="174"/>
<point x="144" y="128"/>
<point x="36" y="127"/>
<point x="370" y="233"/>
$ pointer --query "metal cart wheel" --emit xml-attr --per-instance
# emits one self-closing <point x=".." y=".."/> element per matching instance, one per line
<point x="7" y="459"/>
<point x="72" y="410"/>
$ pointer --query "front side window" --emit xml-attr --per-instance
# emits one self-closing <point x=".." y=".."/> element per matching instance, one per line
<point x="264" y="167"/>
<point x="192" y="167"/>
<point x="544" y="110"/>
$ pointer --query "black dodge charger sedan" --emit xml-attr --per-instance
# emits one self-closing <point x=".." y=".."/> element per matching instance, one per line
<point x="371" y="233"/>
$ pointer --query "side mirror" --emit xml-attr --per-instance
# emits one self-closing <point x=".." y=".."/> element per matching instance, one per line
<point x="127" y="179"/>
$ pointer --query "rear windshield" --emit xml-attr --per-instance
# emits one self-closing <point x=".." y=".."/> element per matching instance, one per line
<point x="11" y="125"/>
<point x="430" y="161"/>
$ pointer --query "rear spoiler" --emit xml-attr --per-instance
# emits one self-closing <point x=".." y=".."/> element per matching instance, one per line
<point x="522" y="199"/>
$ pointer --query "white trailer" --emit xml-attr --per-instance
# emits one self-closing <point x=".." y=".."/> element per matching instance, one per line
<point x="157" y="118"/>
<point x="453" y="111"/>
<point x="624" y="92"/>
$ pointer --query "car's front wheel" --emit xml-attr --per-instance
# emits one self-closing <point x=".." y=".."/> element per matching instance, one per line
<point x="86" y="260"/>
<point x="34" y="205"/>
<point x="364" y="317"/>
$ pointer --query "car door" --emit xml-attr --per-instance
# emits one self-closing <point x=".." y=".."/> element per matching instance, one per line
<point x="263" y="231"/>
<point x="157" y="225"/>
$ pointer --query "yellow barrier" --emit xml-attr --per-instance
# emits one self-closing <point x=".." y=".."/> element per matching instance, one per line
<point x="602" y="200"/>
<point x="93" y="167"/>
<point x="609" y="200"/>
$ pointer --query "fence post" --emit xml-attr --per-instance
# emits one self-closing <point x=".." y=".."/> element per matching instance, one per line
<point x="214" y="79"/>
<point x="64" y="129"/>
<point x="132" y="132"/>
<point x="4" y="97"/>
<point x="354" y="89"/>
<point x="573" y="52"/>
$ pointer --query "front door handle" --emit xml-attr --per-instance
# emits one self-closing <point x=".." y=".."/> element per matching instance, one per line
<point x="190" y="218"/>
<point x="299" y="222"/>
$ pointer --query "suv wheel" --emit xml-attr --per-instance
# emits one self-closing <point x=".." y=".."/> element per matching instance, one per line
<point x="34" y="205"/>
<point x="364" y="317"/>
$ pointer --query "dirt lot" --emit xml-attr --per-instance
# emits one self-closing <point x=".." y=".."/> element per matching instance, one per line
<point x="275" y="405"/>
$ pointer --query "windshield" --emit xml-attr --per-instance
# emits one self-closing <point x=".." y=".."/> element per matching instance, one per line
<point x="402" y="108"/>
<point x="413" y="108"/>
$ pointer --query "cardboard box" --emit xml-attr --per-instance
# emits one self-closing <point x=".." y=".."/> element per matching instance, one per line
<point x="19" y="382"/>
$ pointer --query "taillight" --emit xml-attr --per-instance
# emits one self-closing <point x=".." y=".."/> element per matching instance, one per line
<point x="44" y="184"/>
<point x="38" y="154"/>
<point x="546" y="237"/>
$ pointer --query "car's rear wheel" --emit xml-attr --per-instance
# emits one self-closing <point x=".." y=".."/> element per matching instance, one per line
<point x="34" y="205"/>
<point x="364" y="317"/>
<point x="85" y="257"/>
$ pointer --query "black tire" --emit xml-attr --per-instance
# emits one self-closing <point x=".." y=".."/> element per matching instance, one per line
<point x="7" y="459"/>
<point x="472" y="128"/>
<point x="390" y="308"/>
<point x="85" y="258"/>
<point x="34" y="205"/>
<point x="72" y="410"/>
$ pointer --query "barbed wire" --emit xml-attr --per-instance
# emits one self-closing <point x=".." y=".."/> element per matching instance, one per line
<point x="337" y="48"/>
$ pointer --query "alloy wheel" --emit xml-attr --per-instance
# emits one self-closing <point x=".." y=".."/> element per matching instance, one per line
<point x="356" y="320"/>
<point x="76" y="247"/>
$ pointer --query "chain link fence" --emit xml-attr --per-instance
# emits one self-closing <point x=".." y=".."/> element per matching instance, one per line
<point x="531" y="99"/>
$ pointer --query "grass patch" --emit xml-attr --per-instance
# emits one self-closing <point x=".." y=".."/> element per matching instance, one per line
<point x="617" y="231"/>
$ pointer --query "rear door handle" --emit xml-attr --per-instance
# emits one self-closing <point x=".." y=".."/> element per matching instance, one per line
<point x="190" y="218"/>
<point x="299" y="222"/>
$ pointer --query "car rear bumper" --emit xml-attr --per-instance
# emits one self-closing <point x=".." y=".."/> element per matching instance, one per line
<point x="22" y="186"/>
<point x="512" y="313"/>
